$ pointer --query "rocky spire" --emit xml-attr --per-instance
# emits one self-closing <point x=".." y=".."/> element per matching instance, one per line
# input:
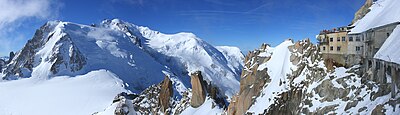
<point x="198" y="89"/>
<point x="165" y="94"/>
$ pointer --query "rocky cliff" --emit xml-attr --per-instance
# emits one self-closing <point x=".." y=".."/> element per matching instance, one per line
<point x="308" y="87"/>
<point x="362" y="11"/>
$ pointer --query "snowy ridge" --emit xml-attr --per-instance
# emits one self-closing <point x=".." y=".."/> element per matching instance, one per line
<point x="279" y="67"/>
<point x="382" y="12"/>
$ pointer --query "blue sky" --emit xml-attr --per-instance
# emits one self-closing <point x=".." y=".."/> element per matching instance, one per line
<point x="242" y="23"/>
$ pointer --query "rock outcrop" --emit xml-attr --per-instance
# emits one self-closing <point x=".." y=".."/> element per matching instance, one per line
<point x="251" y="81"/>
<point x="362" y="11"/>
<point x="198" y="89"/>
<point x="124" y="104"/>
<point x="165" y="94"/>
<point x="10" y="57"/>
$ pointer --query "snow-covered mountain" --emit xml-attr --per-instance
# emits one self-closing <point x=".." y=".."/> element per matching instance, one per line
<point x="186" y="53"/>
<point x="116" y="67"/>
<point x="97" y="62"/>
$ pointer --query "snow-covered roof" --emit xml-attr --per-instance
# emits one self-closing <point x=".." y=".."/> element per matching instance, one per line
<point x="382" y="12"/>
<point x="389" y="50"/>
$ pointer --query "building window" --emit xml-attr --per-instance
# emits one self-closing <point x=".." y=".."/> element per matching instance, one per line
<point x="338" y="39"/>
<point x="358" y="39"/>
<point x="358" y="48"/>
<point x="343" y="39"/>
<point x="378" y="65"/>
<point x="338" y="48"/>
<point x="331" y="48"/>
<point x="331" y="39"/>
<point x="323" y="48"/>
<point x="350" y="39"/>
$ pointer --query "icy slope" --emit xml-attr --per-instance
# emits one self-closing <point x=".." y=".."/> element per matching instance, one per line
<point x="382" y="12"/>
<point x="62" y="95"/>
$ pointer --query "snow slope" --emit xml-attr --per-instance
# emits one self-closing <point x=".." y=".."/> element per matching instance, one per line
<point x="62" y="95"/>
<point x="382" y="12"/>
<point x="389" y="52"/>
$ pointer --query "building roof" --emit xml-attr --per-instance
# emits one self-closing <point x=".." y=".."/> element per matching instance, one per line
<point x="390" y="51"/>
<point x="383" y="12"/>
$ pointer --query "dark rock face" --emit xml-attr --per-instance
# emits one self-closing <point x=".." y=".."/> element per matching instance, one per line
<point x="198" y="89"/>
<point x="10" y="57"/>
<point x="25" y="58"/>
<point x="251" y="82"/>
<point x="165" y="94"/>
<point x="73" y="62"/>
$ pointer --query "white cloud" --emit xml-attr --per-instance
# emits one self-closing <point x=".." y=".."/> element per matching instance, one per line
<point x="15" y="10"/>
<point x="17" y="14"/>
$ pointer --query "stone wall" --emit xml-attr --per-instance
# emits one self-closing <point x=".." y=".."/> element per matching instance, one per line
<point x="343" y="60"/>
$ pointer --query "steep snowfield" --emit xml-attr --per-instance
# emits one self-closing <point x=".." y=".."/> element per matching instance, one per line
<point x="382" y="12"/>
<point x="389" y="50"/>
<point x="61" y="95"/>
